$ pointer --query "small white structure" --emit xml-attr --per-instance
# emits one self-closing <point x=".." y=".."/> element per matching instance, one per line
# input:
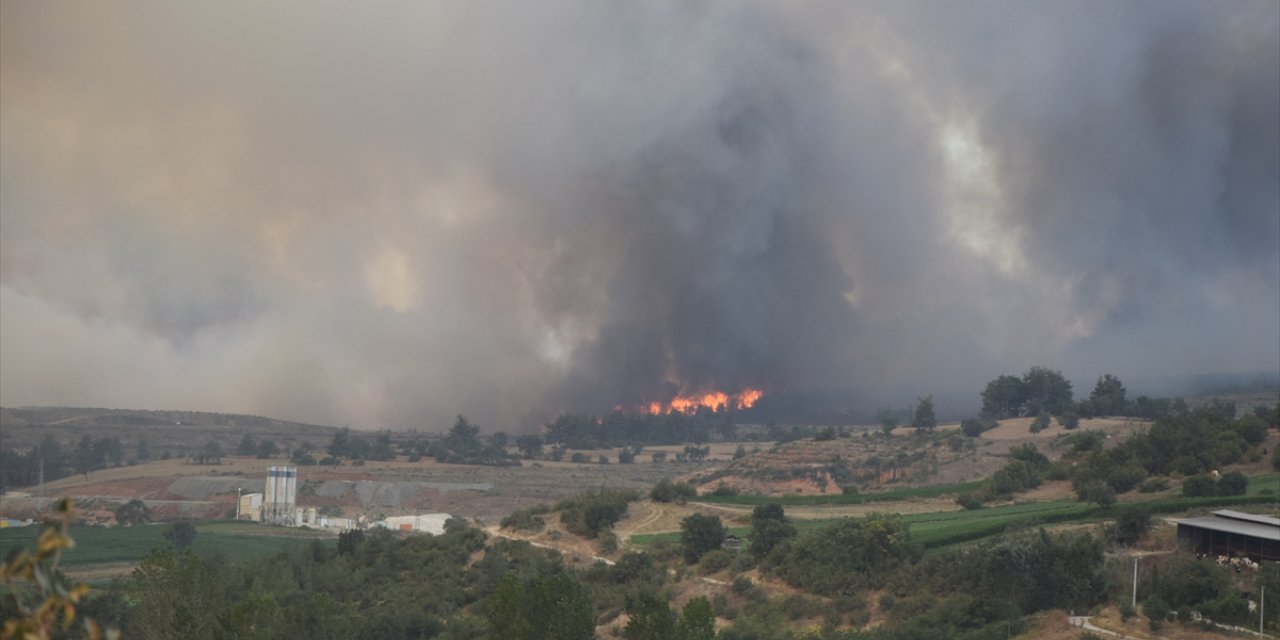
<point x="250" y="507"/>
<point x="344" y="524"/>
<point x="432" y="523"/>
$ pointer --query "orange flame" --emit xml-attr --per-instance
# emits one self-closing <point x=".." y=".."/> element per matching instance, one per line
<point x="748" y="398"/>
<point x="710" y="400"/>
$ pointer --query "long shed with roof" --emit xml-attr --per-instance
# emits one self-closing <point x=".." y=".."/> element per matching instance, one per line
<point x="1233" y="534"/>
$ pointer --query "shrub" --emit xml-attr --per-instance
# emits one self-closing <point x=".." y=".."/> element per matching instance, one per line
<point x="1069" y="420"/>
<point x="1131" y="524"/>
<point x="887" y="601"/>
<point x="972" y="427"/>
<point x="1127" y="611"/>
<point x="133" y="512"/>
<point x="743" y="562"/>
<point x="798" y="606"/>
<point x="529" y="519"/>
<point x="769" y="529"/>
<point x="1059" y="470"/>
<point x="1152" y="485"/>
<point x="1096" y="491"/>
<point x="1228" y="608"/>
<point x="968" y="501"/>
<point x="1041" y="422"/>
<point x="593" y="512"/>
<point x="851" y="554"/>
<point x="723" y="489"/>
<point x="716" y="560"/>
<point x="1198" y="486"/>
<point x="1233" y="483"/>
<point x="1156" y="610"/>
<point x="700" y="534"/>
<point x="1124" y="478"/>
<point x="608" y="541"/>
<point x="668" y="491"/>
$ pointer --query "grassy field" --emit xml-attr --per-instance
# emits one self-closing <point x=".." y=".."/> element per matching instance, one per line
<point x="99" y="545"/>
<point x="893" y="495"/>
<point x="940" y="529"/>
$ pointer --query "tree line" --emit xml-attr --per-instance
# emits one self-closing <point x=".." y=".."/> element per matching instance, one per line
<point x="20" y="468"/>
<point x="463" y="585"/>
<point x="1190" y="443"/>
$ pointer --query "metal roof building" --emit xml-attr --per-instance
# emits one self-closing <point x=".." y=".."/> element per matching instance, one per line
<point x="1232" y="533"/>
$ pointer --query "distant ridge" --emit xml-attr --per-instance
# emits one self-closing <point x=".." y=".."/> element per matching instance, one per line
<point x="91" y="416"/>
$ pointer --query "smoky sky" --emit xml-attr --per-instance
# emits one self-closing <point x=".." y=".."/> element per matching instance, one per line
<point x="386" y="214"/>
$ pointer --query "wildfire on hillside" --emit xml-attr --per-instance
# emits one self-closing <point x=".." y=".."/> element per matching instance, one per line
<point x="744" y="399"/>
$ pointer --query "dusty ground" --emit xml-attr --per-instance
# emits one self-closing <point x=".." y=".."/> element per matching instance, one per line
<point x="374" y="489"/>
<point x="1019" y="429"/>
<point x="1137" y="627"/>
<point x="176" y="488"/>
<point x="869" y="461"/>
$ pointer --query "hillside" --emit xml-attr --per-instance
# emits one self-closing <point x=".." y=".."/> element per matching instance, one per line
<point x="867" y="461"/>
<point x="180" y="432"/>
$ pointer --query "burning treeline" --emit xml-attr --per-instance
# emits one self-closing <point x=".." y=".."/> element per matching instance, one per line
<point x="714" y="400"/>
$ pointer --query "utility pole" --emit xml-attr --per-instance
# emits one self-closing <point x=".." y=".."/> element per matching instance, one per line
<point x="1134" y="602"/>
<point x="1262" y="609"/>
<point x="40" y="491"/>
<point x="238" y="490"/>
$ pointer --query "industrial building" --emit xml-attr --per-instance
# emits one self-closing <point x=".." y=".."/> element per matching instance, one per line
<point x="277" y="504"/>
<point x="250" y="507"/>
<point x="1231" y="534"/>
<point x="280" y="496"/>
<point x="432" y="523"/>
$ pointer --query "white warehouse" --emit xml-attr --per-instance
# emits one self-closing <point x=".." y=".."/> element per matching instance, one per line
<point x="432" y="523"/>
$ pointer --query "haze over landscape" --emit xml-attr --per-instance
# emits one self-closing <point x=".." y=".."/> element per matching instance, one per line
<point x="386" y="216"/>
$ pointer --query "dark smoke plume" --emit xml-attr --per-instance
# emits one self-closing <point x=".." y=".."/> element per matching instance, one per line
<point x="386" y="215"/>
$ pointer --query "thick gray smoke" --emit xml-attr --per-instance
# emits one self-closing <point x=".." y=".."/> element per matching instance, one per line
<point x="385" y="215"/>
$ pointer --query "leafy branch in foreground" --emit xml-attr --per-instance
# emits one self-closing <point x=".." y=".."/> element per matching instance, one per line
<point x="57" y="599"/>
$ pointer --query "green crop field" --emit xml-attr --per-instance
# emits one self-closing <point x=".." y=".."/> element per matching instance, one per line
<point x="944" y="528"/>
<point x="1264" y="484"/>
<point x="892" y="495"/>
<point x="97" y="545"/>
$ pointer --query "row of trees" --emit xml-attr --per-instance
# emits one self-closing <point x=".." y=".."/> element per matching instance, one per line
<point x="1039" y="390"/>
<point x="1044" y="392"/>
<point x="617" y="429"/>
<point x="463" y="443"/>
<point x="980" y="591"/>
<point x="457" y="586"/>
<point x="923" y="418"/>
<point x="1182" y="585"/>
<point x="22" y="468"/>
<point x="463" y="586"/>
<point x="1187" y="442"/>
<point x="262" y="449"/>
